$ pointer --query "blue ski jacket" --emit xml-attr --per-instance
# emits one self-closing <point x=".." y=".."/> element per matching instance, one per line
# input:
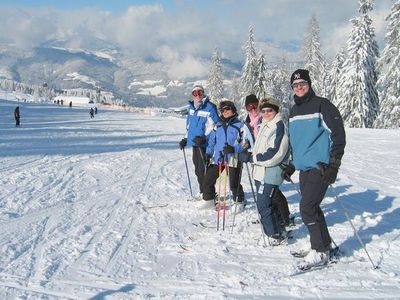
<point x="200" y="121"/>
<point x="316" y="132"/>
<point x="226" y="132"/>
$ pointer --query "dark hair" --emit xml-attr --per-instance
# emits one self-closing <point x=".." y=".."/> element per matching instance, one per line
<point x="251" y="99"/>
<point x="228" y="103"/>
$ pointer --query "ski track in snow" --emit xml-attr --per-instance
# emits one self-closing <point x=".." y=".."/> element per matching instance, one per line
<point x="95" y="208"/>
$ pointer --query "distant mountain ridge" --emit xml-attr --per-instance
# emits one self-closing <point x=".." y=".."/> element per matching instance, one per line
<point x="140" y="82"/>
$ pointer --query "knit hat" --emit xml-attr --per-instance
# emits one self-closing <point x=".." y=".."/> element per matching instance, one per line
<point x="301" y="74"/>
<point x="251" y="99"/>
<point x="269" y="102"/>
<point x="198" y="87"/>
<point x="228" y="103"/>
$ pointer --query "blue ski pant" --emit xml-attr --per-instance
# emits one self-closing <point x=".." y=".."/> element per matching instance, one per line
<point x="270" y="216"/>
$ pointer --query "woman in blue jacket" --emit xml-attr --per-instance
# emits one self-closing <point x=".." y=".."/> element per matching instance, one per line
<point x="224" y="144"/>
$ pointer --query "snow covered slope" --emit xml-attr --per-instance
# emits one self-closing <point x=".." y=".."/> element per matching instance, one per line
<point x="96" y="208"/>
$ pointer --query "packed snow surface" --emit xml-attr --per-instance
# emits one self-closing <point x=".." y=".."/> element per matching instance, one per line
<point x="97" y="209"/>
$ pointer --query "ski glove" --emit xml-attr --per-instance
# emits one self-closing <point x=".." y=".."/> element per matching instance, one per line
<point x="245" y="157"/>
<point x="198" y="140"/>
<point x="259" y="157"/>
<point x="251" y="160"/>
<point x="288" y="171"/>
<point x="183" y="143"/>
<point x="228" y="149"/>
<point x="329" y="172"/>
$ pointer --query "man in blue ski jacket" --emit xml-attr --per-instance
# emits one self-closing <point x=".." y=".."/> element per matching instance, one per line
<point x="202" y="116"/>
<point x="317" y="140"/>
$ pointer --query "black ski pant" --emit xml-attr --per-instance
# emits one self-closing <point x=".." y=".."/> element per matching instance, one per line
<point x="199" y="166"/>
<point x="313" y="191"/>
<point x="279" y="200"/>
<point x="234" y="183"/>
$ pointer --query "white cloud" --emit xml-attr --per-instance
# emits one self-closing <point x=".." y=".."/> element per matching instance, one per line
<point x="379" y="23"/>
<point x="136" y="28"/>
<point x="188" y="67"/>
<point x="180" y="66"/>
<point x="182" y="37"/>
<point x="337" y="40"/>
<point x="23" y="28"/>
<point x="341" y="33"/>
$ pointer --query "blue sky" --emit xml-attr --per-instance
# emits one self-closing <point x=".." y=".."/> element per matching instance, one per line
<point x="181" y="32"/>
<point x="111" y="5"/>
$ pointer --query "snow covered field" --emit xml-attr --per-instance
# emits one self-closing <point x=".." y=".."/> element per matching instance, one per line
<point x="96" y="209"/>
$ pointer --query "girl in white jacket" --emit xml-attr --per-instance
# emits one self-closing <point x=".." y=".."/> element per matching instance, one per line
<point x="269" y="152"/>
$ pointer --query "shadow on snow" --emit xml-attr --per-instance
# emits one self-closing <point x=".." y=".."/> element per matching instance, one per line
<point x="102" y="295"/>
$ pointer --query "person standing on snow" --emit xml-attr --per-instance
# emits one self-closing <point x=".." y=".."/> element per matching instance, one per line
<point x="253" y="118"/>
<point x="270" y="151"/>
<point x="17" y="116"/>
<point x="91" y="112"/>
<point x="201" y="118"/>
<point x="225" y="142"/>
<point x="317" y="139"/>
<point x="253" y="121"/>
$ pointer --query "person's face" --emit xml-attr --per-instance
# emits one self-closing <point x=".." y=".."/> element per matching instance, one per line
<point x="300" y="87"/>
<point x="252" y="109"/>
<point x="268" y="113"/>
<point x="226" y="112"/>
<point x="197" y="95"/>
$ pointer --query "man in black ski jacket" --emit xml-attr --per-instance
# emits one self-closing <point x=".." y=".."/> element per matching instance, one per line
<point x="317" y="139"/>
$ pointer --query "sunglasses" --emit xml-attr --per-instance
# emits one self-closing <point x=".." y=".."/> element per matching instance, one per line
<point x="251" y="106"/>
<point x="225" y="108"/>
<point x="299" y="84"/>
<point x="197" y="93"/>
<point x="267" y="110"/>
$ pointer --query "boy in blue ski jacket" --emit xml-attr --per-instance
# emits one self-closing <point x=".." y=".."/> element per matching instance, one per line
<point x="224" y="144"/>
<point x="202" y="116"/>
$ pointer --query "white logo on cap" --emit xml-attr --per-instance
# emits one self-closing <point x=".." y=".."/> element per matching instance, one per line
<point x="297" y="76"/>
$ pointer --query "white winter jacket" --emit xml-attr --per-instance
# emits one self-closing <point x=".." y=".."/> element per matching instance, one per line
<point x="270" y="150"/>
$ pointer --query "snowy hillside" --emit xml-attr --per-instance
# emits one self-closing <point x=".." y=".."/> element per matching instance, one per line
<point x="96" y="209"/>
<point x="140" y="82"/>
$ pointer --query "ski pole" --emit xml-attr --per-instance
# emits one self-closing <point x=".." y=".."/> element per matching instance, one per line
<point x="352" y="225"/>
<point x="255" y="201"/>
<point x="187" y="172"/>
<point x="225" y="190"/>
<point x="296" y="187"/>
<point x="202" y="159"/>
<point x="240" y="165"/>
<point x="219" y="191"/>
